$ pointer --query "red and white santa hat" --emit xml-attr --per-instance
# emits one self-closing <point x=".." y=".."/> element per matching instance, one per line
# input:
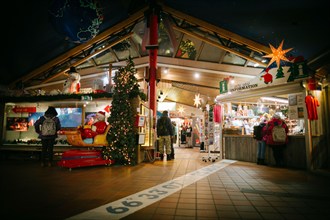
<point x="100" y="114"/>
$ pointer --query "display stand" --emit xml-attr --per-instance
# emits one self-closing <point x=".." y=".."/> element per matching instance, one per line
<point x="212" y="148"/>
<point x="146" y="136"/>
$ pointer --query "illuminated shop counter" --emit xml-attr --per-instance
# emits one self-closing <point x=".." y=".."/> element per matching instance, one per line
<point x="244" y="148"/>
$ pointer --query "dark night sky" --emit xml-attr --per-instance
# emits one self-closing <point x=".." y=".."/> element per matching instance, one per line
<point x="30" y="40"/>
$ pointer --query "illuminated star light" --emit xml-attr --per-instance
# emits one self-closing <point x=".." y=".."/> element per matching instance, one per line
<point x="181" y="109"/>
<point x="197" y="100"/>
<point x="277" y="55"/>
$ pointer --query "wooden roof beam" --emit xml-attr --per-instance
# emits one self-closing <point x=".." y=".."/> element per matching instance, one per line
<point x="222" y="32"/>
<point x="204" y="39"/>
<point x="88" y="57"/>
<point x="78" y="49"/>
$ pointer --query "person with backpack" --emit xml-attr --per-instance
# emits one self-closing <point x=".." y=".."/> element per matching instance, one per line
<point x="277" y="138"/>
<point x="259" y="132"/>
<point x="47" y="127"/>
<point x="164" y="133"/>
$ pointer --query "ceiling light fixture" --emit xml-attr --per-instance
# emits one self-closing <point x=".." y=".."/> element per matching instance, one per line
<point x="275" y="99"/>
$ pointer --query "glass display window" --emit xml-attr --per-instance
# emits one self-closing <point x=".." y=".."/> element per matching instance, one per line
<point x="19" y="118"/>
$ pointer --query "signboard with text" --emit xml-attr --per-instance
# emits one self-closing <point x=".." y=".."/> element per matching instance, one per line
<point x="223" y="86"/>
<point x="24" y="109"/>
<point x="297" y="70"/>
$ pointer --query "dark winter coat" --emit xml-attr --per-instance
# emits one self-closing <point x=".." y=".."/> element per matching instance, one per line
<point x="164" y="126"/>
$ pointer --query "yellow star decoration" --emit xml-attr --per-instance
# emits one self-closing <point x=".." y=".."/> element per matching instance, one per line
<point x="277" y="55"/>
<point x="181" y="109"/>
<point x="197" y="100"/>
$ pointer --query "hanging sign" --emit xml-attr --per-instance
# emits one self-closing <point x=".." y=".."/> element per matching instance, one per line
<point x="86" y="98"/>
<point x="272" y="76"/>
<point x="223" y="86"/>
<point x="295" y="70"/>
<point x="24" y="109"/>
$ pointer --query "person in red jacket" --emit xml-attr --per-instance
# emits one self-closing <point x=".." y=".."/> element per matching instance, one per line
<point x="277" y="147"/>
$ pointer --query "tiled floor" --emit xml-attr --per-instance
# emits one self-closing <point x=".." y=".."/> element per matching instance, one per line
<point x="239" y="190"/>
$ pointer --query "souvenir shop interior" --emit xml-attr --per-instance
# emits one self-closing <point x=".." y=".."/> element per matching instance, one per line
<point x="299" y="106"/>
<point x="189" y="123"/>
<point x="241" y="117"/>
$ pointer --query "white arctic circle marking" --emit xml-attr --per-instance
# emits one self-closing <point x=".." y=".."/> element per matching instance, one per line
<point x="130" y="204"/>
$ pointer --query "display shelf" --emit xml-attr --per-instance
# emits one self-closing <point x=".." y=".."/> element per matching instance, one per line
<point x="292" y="125"/>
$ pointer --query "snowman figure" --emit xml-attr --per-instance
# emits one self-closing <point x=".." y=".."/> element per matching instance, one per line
<point x="72" y="83"/>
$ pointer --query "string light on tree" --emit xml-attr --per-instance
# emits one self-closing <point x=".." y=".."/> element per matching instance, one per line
<point x="277" y="54"/>
<point x="121" y="137"/>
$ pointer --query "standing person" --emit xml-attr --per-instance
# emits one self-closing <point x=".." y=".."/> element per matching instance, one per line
<point x="47" y="127"/>
<point x="183" y="133"/>
<point x="189" y="136"/>
<point x="259" y="133"/>
<point x="173" y="139"/>
<point x="277" y="138"/>
<point x="164" y="133"/>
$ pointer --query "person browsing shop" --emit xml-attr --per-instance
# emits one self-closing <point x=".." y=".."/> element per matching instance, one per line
<point x="277" y="138"/>
<point x="259" y="133"/>
<point x="164" y="134"/>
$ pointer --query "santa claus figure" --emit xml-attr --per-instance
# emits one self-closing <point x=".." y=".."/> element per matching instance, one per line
<point x="98" y="127"/>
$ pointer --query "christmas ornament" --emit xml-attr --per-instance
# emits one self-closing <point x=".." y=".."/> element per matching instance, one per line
<point x="181" y="109"/>
<point x="277" y="55"/>
<point x="268" y="78"/>
<point x="197" y="100"/>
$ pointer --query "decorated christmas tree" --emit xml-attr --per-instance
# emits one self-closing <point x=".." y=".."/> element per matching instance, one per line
<point x="121" y="137"/>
